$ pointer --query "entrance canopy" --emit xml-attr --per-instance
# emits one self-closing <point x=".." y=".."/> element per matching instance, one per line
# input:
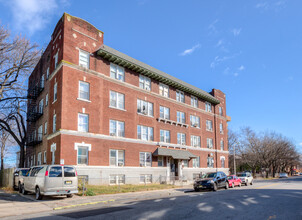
<point x="176" y="154"/>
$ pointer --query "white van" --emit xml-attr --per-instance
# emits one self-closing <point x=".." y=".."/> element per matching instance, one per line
<point x="50" y="180"/>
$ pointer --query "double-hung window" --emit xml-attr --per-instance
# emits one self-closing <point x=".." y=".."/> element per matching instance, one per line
<point x="45" y="128"/>
<point x="56" y="59"/>
<point x="180" y="96"/>
<point x="82" y="155"/>
<point x="41" y="106"/>
<point x="165" y="136"/>
<point x="144" y="82"/>
<point x="117" y="72"/>
<point x="210" y="162"/>
<point x="160" y="161"/>
<point x="209" y="125"/>
<point x="208" y="107"/>
<point x="117" y="158"/>
<point x="44" y="157"/>
<point x="40" y="132"/>
<point x="84" y="59"/>
<point x="117" y="100"/>
<point x="222" y="162"/>
<point x="117" y="128"/>
<point x="164" y="112"/>
<point x="84" y="90"/>
<point x="221" y="145"/>
<point x="181" y="138"/>
<point x="39" y="158"/>
<point x="194" y="101"/>
<point x="116" y="179"/>
<point x="83" y="122"/>
<point x="196" y="162"/>
<point x="145" y="178"/>
<point x="42" y="81"/>
<point x="145" y="133"/>
<point x="195" y="141"/>
<point x="145" y="159"/>
<point x="55" y="92"/>
<point x="164" y="90"/>
<point x="54" y="123"/>
<point x="181" y="117"/>
<point x="221" y="128"/>
<point x="195" y="121"/>
<point x="47" y="73"/>
<point x="46" y="99"/>
<point x="185" y="163"/>
<point x="209" y="143"/>
<point x="220" y="111"/>
<point x="145" y="108"/>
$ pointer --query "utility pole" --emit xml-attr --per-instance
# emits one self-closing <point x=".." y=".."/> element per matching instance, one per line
<point x="234" y="160"/>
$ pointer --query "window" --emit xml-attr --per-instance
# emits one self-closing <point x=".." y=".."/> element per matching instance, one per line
<point x="44" y="157"/>
<point x="145" y="159"/>
<point x="83" y="122"/>
<point x="84" y="59"/>
<point x="195" y="141"/>
<point x="56" y="59"/>
<point x="46" y="99"/>
<point x="42" y="81"/>
<point x="196" y="162"/>
<point x="82" y="155"/>
<point x="164" y="112"/>
<point x="45" y="128"/>
<point x="117" y="179"/>
<point x="221" y="145"/>
<point x="54" y="121"/>
<point x="117" y="100"/>
<point x="144" y="82"/>
<point x="145" y="178"/>
<point x="39" y="158"/>
<point x="221" y="128"/>
<point x="117" y="128"/>
<point x="84" y="90"/>
<point x="160" y="161"/>
<point x="55" y="88"/>
<point x="186" y="163"/>
<point x="209" y="143"/>
<point x="222" y="162"/>
<point x="208" y="107"/>
<point x="164" y="90"/>
<point x="69" y="171"/>
<point x="181" y="138"/>
<point x="181" y="117"/>
<point x="180" y="96"/>
<point x="220" y="111"/>
<point x="209" y="125"/>
<point x="117" y="158"/>
<point x="117" y="72"/>
<point x="195" y="121"/>
<point x="144" y="107"/>
<point x="194" y="101"/>
<point x="55" y="171"/>
<point x="144" y="133"/>
<point x="41" y="106"/>
<point x="47" y="73"/>
<point x="210" y="162"/>
<point x="165" y="136"/>
<point x="40" y="133"/>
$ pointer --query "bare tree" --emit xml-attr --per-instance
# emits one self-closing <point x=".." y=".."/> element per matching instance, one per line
<point x="4" y="138"/>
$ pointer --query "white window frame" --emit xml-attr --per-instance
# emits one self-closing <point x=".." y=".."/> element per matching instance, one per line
<point x="165" y="136"/>
<point x="83" y="92"/>
<point x="180" y="96"/>
<point x="145" y="133"/>
<point x="195" y="121"/>
<point x="209" y="125"/>
<point x="55" y="92"/>
<point x="41" y="105"/>
<point x="46" y="99"/>
<point x="44" y="158"/>
<point x="54" y="123"/>
<point x="160" y="161"/>
<point x="143" y="159"/>
<point x="185" y="163"/>
<point x="118" y="179"/>
<point x="196" y="162"/>
<point x="39" y="160"/>
<point x="40" y="133"/>
<point x="118" y="73"/>
<point x="210" y="162"/>
<point x="195" y="141"/>
<point x="145" y="178"/>
<point x="84" y="59"/>
<point x="83" y="127"/>
<point x="42" y="81"/>
<point x="118" y="130"/>
<point x="47" y="73"/>
<point x="164" y="90"/>
<point x="117" y="162"/>
<point x="181" y="117"/>
<point x="220" y="111"/>
<point x="221" y="128"/>
<point x="221" y="145"/>
<point x="118" y="99"/>
<point x="45" y="127"/>
<point x="222" y="161"/>
<point x="194" y="101"/>
<point x="164" y="112"/>
<point x="145" y="108"/>
<point x="210" y="143"/>
<point x="144" y="82"/>
<point x="56" y="59"/>
<point x="208" y="107"/>
<point x="181" y="138"/>
<point x="83" y="145"/>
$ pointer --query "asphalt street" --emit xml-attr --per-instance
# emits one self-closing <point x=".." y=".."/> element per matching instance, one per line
<point x="274" y="199"/>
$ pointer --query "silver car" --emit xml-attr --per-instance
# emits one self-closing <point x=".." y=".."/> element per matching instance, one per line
<point x="50" y="180"/>
<point x="283" y="175"/>
<point x="246" y="178"/>
<point x="18" y="174"/>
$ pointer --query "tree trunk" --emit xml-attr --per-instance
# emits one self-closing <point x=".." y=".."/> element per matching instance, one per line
<point x="22" y="156"/>
<point x="2" y="159"/>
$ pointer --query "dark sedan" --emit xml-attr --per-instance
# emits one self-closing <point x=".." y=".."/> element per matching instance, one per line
<point x="212" y="181"/>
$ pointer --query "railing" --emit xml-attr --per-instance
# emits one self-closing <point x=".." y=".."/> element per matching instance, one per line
<point x="34" y="92"/>
<point x="34" y="114"/>
<point x="34" y="139"/>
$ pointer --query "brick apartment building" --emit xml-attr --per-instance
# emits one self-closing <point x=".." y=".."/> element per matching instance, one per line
<point x="116" y="118"/>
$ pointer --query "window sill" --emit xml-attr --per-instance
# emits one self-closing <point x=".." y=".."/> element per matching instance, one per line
<point x="117" y="108"/>
<point x="172" y="122"/>
<point x="209" y="130"/>
<point x="84" y="100"/>
<point x="145" y="115"/>
<point x="195" y="127"/>
<point x="54" y="101"/>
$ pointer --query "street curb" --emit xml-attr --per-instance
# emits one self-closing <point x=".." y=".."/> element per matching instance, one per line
<point x="83" y="204"/>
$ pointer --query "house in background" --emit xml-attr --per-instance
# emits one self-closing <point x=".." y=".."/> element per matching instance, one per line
<point x="119" y="120"/>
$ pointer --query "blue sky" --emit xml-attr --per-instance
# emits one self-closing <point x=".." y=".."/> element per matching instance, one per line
<point x="251" y="50"/>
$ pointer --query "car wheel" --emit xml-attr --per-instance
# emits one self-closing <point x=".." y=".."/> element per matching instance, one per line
<point x="239" y="185"/>
<point x="226" y="185"/>
<point x="233" y="185"/>
<point x="215" y="187"/>
<point x="251" y="182"/>
<point x="24" y="192"/>
<point x="69" y="195"/>
<point x="247" y="182"/>
<point x="38" y="194"/>
<point x="196" y="189"/>
<point x="20" y="188"/>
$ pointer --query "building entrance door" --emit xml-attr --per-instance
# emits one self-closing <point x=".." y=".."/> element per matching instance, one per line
<point x="174" y="168"/>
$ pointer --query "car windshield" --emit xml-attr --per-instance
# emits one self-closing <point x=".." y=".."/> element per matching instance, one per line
<point x="242" y="174"/>
<point x="230" y="177"/>
<point x="210" y="175"/>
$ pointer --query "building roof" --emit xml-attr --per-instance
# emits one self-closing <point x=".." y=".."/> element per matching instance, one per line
<point x="124" y="60"/>
<point x="176" y="154"/>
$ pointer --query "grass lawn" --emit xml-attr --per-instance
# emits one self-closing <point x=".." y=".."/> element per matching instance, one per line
<point x="93" y="190"/>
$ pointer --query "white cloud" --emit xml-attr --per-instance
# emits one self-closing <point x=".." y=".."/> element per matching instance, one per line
<point x="226" y="71"/>
<point x="219" y="43"/>
<point x="189" y="51"/>
<point x="236" y="31"/>
<point x="212" y="27"/>
<point x="236" y="74"/>
<point x="262" y="5"/>
<point x="241" y="68"/>
<point x="217" y="60"/>
<point x="32" y="15"/>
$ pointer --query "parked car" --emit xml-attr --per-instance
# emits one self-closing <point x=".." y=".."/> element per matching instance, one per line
<point x="212" y="181"/>
<point x="234" y="181"/>
<point x="283" y="175"/>
<point x="246" y="178"/>
<point x="50" y="180"/>
<point x="18" y="174"/>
